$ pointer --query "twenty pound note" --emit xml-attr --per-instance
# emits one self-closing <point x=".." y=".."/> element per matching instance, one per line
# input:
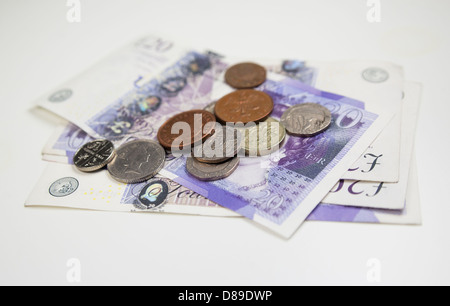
<point x="280" y="190"/>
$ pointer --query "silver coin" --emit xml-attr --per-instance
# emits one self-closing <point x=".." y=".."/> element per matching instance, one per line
<point x="211" y="172"/>
<point x="222" y="146"/>
<point x="137" y="161"/>
<point x="94" y="155"/>
<point x="210" y="107"/>
<point x="63" y="187"/>
<point x="375" y="75"/>
<point x="306" y="119"/>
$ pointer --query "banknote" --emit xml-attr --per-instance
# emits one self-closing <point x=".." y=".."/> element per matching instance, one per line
<point x="410" y="214"/>
<point x="62" y="185"/>
<point x="384" y="194"/>
<point x="280" y="190"/>
<point x="380" y="86"/>
<point x="64" y="142"/>
<point x="120" y="75"/>
<point x="67" y="139"/>
<point x="100" y="192"/>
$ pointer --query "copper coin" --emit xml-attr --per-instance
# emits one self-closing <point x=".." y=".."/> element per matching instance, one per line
<point x="189" y="128"/>
<point x="245" y="75"/>
<point x="245" y="105"/>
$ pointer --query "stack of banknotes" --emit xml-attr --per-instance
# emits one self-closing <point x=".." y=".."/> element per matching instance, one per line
<point x="362" y="169"/>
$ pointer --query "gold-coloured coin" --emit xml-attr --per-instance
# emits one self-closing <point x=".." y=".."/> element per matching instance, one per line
<point x="263" y="138"/>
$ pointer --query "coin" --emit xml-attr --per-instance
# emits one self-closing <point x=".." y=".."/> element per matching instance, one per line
<point x="306" y="119"/>
<point x="264" y="138"/>
<point x="245" y="75"/>
<point x="94" y="155"/>
<point x="211" y="172"/>
<point x="137" y="161"/>
<point x="210" y="107"/>
<point x="222" y="146"/>
<point x="245" y="105"/>
<point x="200" y="123"/>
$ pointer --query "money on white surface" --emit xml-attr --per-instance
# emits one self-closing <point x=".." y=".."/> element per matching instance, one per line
<point x="379" y="85"/>
<point x="384" y="194"/>
<point x="280" y="195"/>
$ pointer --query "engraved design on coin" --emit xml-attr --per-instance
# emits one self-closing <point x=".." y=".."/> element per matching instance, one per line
<point x="211" y="172"/>
<point x="245" y="75"/>
<point x="306" y="119"/>
<point x="94" y="155"/>
<point x="153" y="195"/>
<point x="63" y="187"/>
<point x="137" y="161"/>
<point x="198" y="132"/>
<point x="264" y="138"/>
<point x="245" y="105"/>
<point x="61" y="95"/>
<point x="375" y="75"/>
<point x="222" y="146"/>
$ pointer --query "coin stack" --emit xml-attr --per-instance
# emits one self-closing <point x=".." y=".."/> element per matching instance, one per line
<point x="216" y="158"/>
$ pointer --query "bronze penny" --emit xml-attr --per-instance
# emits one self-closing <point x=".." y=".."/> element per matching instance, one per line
<point x="189" y="128"/>
<point x="245" y="75"/>
<point x="245" y="105"/>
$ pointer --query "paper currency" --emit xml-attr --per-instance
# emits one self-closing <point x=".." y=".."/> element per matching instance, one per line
<point x="384" y="194"/>
<point x="120" y="75"/>
<point x="63" y="186"/>
<point x="99" y="192"/>
<point x="380" y="86"/>
<point x="374" y="194"/>
<point x="410" y="214"/>
<point x="280" y="195"/>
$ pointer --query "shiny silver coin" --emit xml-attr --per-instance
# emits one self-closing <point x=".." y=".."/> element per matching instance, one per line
<point x="137" y="161"/>
<point x="222" y="146"/>
<point x="306" y="119"/>
<point x="94" y="155"/>
<point x="211" y="172"/>
<point x="210" y="107"/>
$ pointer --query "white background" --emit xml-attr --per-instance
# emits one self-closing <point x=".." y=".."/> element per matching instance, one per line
<point x="40" y="49"/>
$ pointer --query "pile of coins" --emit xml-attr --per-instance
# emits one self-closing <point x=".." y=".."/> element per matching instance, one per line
<point x="217" y="157"/>
<point x="237" y="122"/>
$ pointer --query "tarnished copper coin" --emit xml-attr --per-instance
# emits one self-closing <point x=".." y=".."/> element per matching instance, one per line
<point x="188" y="128"/>
<point x="245" y="75"/>
<point x="245" y="105"/>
